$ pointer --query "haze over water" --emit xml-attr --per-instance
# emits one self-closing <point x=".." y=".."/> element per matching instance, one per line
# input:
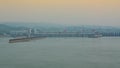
<point x="61" y="53"/>
<point x="70" y="12"/>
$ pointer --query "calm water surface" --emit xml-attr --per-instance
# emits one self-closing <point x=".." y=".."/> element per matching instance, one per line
<point x="61" y="53"/>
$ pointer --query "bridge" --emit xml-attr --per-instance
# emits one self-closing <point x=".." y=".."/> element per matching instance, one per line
<point x="65" y="34"/>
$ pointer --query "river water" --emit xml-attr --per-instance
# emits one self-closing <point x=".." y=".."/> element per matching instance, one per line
<point x="61" y="53"/>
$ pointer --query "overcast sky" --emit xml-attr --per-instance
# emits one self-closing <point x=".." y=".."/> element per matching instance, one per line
<point x="72" y="12"/>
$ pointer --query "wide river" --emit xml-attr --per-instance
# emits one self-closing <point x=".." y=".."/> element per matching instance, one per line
<point x="61" y="53"/>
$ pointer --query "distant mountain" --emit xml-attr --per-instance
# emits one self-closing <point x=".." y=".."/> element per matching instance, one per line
<point x="48" y="25"/>
<point x="33" y="25"/>
<point x="40" y="26"/>
<point x="7" y="28"/>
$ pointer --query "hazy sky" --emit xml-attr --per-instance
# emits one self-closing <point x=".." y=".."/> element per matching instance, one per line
<point x="74" y="12"/>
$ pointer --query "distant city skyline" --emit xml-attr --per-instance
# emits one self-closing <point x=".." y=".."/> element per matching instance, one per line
<point x="71" y="12"/>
